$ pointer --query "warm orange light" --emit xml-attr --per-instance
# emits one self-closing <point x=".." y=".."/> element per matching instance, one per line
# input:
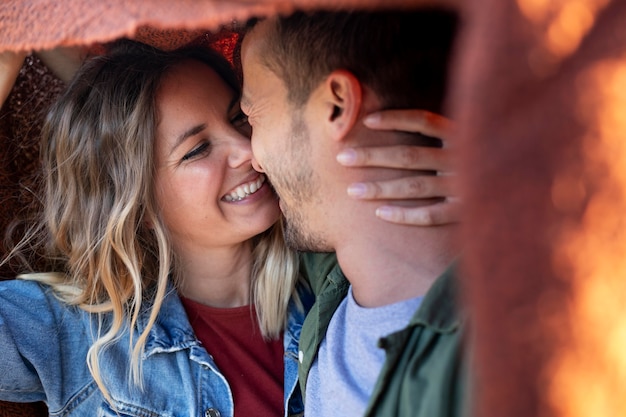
<point x="588" y="374"/>
<point x="535" y="10"/>
<point x="571" y="23"/>
<point x="560" y="26"/>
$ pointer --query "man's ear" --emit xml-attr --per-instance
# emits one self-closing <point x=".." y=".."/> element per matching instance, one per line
<point x="343" y="96"/>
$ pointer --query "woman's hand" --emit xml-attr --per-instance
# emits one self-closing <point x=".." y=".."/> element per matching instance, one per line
<point x="420" y="158"/>
<point x="10" y="64"/>
<point x="62" y="61"/>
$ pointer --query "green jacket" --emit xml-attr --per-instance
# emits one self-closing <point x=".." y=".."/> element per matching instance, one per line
<point x="423" y="374"/>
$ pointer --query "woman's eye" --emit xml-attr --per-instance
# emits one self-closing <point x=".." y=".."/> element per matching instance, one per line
<point x="239" y="119"/>
<point x="201" y="149"/>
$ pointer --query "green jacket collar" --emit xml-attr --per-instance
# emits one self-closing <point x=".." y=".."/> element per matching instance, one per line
<point x="439" y="309"/>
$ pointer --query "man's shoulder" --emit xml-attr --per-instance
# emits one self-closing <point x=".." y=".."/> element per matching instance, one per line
<point x="428" y="358"/>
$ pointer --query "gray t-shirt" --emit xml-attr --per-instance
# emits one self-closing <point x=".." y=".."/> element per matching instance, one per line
<point x="349" y="360"/>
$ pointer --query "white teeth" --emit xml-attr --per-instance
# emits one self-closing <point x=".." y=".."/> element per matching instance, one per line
<point x="245" y="190"/>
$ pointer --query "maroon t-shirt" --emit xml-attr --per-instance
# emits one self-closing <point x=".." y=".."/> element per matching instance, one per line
<point x="252" y="366"/>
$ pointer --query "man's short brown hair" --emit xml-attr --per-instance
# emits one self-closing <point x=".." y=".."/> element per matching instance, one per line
<point x="401" y="54"/>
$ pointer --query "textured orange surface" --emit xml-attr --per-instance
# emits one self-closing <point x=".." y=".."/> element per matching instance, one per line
<point x="44" y="24"/>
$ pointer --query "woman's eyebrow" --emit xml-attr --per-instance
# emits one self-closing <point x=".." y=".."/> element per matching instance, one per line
<point x="188" y="133"/>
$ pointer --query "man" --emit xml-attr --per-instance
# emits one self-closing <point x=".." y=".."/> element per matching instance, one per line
<point x="383" y="337"/>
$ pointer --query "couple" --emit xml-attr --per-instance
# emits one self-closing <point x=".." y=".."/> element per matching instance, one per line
<point x="173" y="292"/>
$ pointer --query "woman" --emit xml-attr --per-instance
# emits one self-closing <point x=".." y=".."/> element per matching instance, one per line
<point x="173" y="292"/>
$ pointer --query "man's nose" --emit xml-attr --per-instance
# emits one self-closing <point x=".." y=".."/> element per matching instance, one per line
<point x="257" y="167"/>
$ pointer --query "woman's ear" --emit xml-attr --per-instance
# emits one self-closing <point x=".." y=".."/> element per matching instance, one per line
<point x="343" y="95"/>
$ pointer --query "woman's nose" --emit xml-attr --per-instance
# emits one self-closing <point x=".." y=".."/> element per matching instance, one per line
<point x="240" y="152"/>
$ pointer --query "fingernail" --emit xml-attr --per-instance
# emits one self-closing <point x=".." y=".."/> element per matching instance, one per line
<point x="357" y="190"/>
<point x="346" y="157"/>
<point x="371" y="119"/>
<point x="385" y="213"/>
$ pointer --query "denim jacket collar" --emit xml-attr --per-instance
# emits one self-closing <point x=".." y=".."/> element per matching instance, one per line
<point x="169" y="333"/>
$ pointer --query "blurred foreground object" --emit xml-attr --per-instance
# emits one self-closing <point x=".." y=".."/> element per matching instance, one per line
<point x="541" y="103"/>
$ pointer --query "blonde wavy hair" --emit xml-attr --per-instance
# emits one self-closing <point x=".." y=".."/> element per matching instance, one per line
<point x="97" y="151"/>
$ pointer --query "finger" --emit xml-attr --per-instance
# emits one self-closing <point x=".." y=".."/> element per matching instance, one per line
<point x="10" y="65"/>
<point x="399" y="156"/>
<point x="422" y="121"/>
<point x="434" y="215"/>
<point x="418" y="187"/>
<point x="63" y="61"/>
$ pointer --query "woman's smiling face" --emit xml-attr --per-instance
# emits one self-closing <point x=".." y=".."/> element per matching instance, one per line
<point x="207" y="191"/>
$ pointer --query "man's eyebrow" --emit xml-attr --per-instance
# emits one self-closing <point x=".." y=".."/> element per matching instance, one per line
<point x="187" y="134"/>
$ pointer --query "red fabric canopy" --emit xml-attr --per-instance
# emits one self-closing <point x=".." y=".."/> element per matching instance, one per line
<point x="45" y="24"/>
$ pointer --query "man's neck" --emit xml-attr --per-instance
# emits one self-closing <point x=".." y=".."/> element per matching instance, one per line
<point x="385" y="268"/>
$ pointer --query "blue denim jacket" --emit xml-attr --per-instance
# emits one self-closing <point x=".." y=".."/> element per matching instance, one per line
<point x="44" y="346"/>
